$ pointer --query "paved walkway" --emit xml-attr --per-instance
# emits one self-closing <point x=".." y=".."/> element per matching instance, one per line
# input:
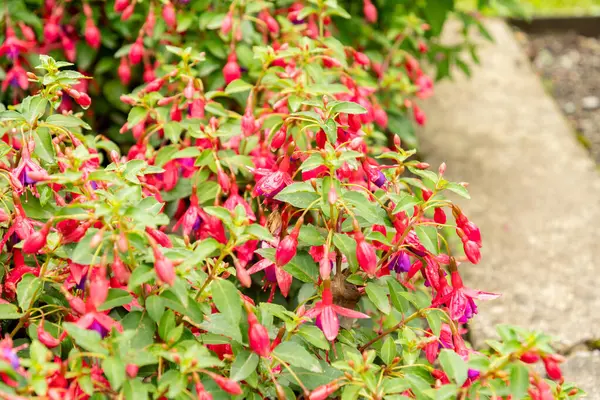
<point x="535" y="195"/>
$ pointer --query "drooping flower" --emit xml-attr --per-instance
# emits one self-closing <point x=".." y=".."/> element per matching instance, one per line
<point x="327" y="314"/>
<point x="460" y="301"/>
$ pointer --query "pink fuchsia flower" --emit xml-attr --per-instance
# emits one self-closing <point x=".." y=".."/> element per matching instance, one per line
<point x="425" y="86"/>
<point x="460" y="300"/>
<point x="271" y="184"/>
<point x="275" y="276"/>
<point x="13" y="46"/>
<point x="99" y="322"/>
<point x="16" y="77"/>
<point x="326" y="314"/>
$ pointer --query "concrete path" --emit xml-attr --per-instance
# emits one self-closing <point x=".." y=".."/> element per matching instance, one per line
<point x="535" y="195"/>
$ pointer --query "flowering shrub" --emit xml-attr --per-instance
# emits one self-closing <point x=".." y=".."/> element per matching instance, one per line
<point x="260" y="238"/>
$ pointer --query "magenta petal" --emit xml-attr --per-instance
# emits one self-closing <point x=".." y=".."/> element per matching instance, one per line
<point x="259" y="266"/>
<point x="284" y="280"/>
<point x="346" y="312"/>
<point x="458" y="305"/>
<point x="330" y="323"/>
<point x="479" y="295"/>
<point x="313" y="312"/>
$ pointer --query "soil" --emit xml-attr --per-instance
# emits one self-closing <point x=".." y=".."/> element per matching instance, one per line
<point x="569" y="65"/>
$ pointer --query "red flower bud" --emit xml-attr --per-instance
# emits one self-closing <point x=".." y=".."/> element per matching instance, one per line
<point x="361" y="58"/>
<point x="423" y="47"/>
<point x="128" y="12"/>
<point x="243" y="275"/>
<point x="223" y="180"/>
<point x="121" y="5"/>
<point x="530" y="357"/>
<point x="380" y="117"/>
<point x="472" y="251"/>
<point x="165" y="270"/>
<point x="83" y="100"/>
<point x="439" y="215"/>
<point x="279" y="138"/>
<point x="92" y="34"/>
<point x="370" y="11"/>
<point x="258" y="337"/>
<point x="169" y="15"/>
<point x="324" y="391"/>
<point x="136" y="52"/>
<point x="426" y="194"/>
<point x="286" y="250"/>
<point x="124" y="71"/>
<point x="160" y="237"/>
<point x="51" y="32"/>
<point x="154" y="86"/>
<point x="132" y="370"/>
<point x="188" y="92"/>
<point x="419" y="115"/>
<point x="232" y="70"/>
<point x="120" y="270"/>
<point x="332" y="196"/>
<point x="552" y="368"/>
<point x="365" y="254"/>
<point x="227" y="23"/>
<point x="46" y="338"/>
<point x="36" y="241"/>
<point x="227" y="384"/>
<point x="442" y="169"/>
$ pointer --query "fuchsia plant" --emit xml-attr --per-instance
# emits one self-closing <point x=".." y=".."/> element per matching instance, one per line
<point x="259" y="239"/>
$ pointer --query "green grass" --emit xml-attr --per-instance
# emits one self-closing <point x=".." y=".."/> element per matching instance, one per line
<point x="549" y="7"/>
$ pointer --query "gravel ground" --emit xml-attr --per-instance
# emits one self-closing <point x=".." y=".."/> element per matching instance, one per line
<point x="569" y="65"/>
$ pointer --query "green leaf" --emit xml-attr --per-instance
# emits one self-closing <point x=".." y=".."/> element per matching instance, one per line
<point x="519" y="381"/>
<point x="222" y="325"/>
<point x="435" y="14"/>
<point x="296" y="355"/>
<point x="259" y="232"/>
<point x="425" y="234"/>
<point x="311" y="236"/>
<point x="173" y="131"/>
<point x="115" y="298"/>
<point x="299" y="194"/>
<point x="388" y="350"/>
<point x="314" y="336"/>
<point x="237" y="86"/>
<point x="43" y="145"/>
<point x="303" y="267"/>
<point x="348" y="107"/>
<point x="166" y="325"/>
<point x="399" y="302"/>
<point x="434" y="319"/>
<point x="458" y="189"/>
<point x="378" y="296"/>
<point x="88" y="339"/>
<point x="245" y="363"/>
<point x="330" y="129"/>
<point x="9" y="311"/>
<point x="136" y="115"/>
<point x="454" y="366"/>
<point x="114" y="369"/>
<point x="227" y="299"/>
<point x="347" y="246"/>
<point x="67" y="121"/>
<point x="155" y="307"/>
<point x="28" y="291"/>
